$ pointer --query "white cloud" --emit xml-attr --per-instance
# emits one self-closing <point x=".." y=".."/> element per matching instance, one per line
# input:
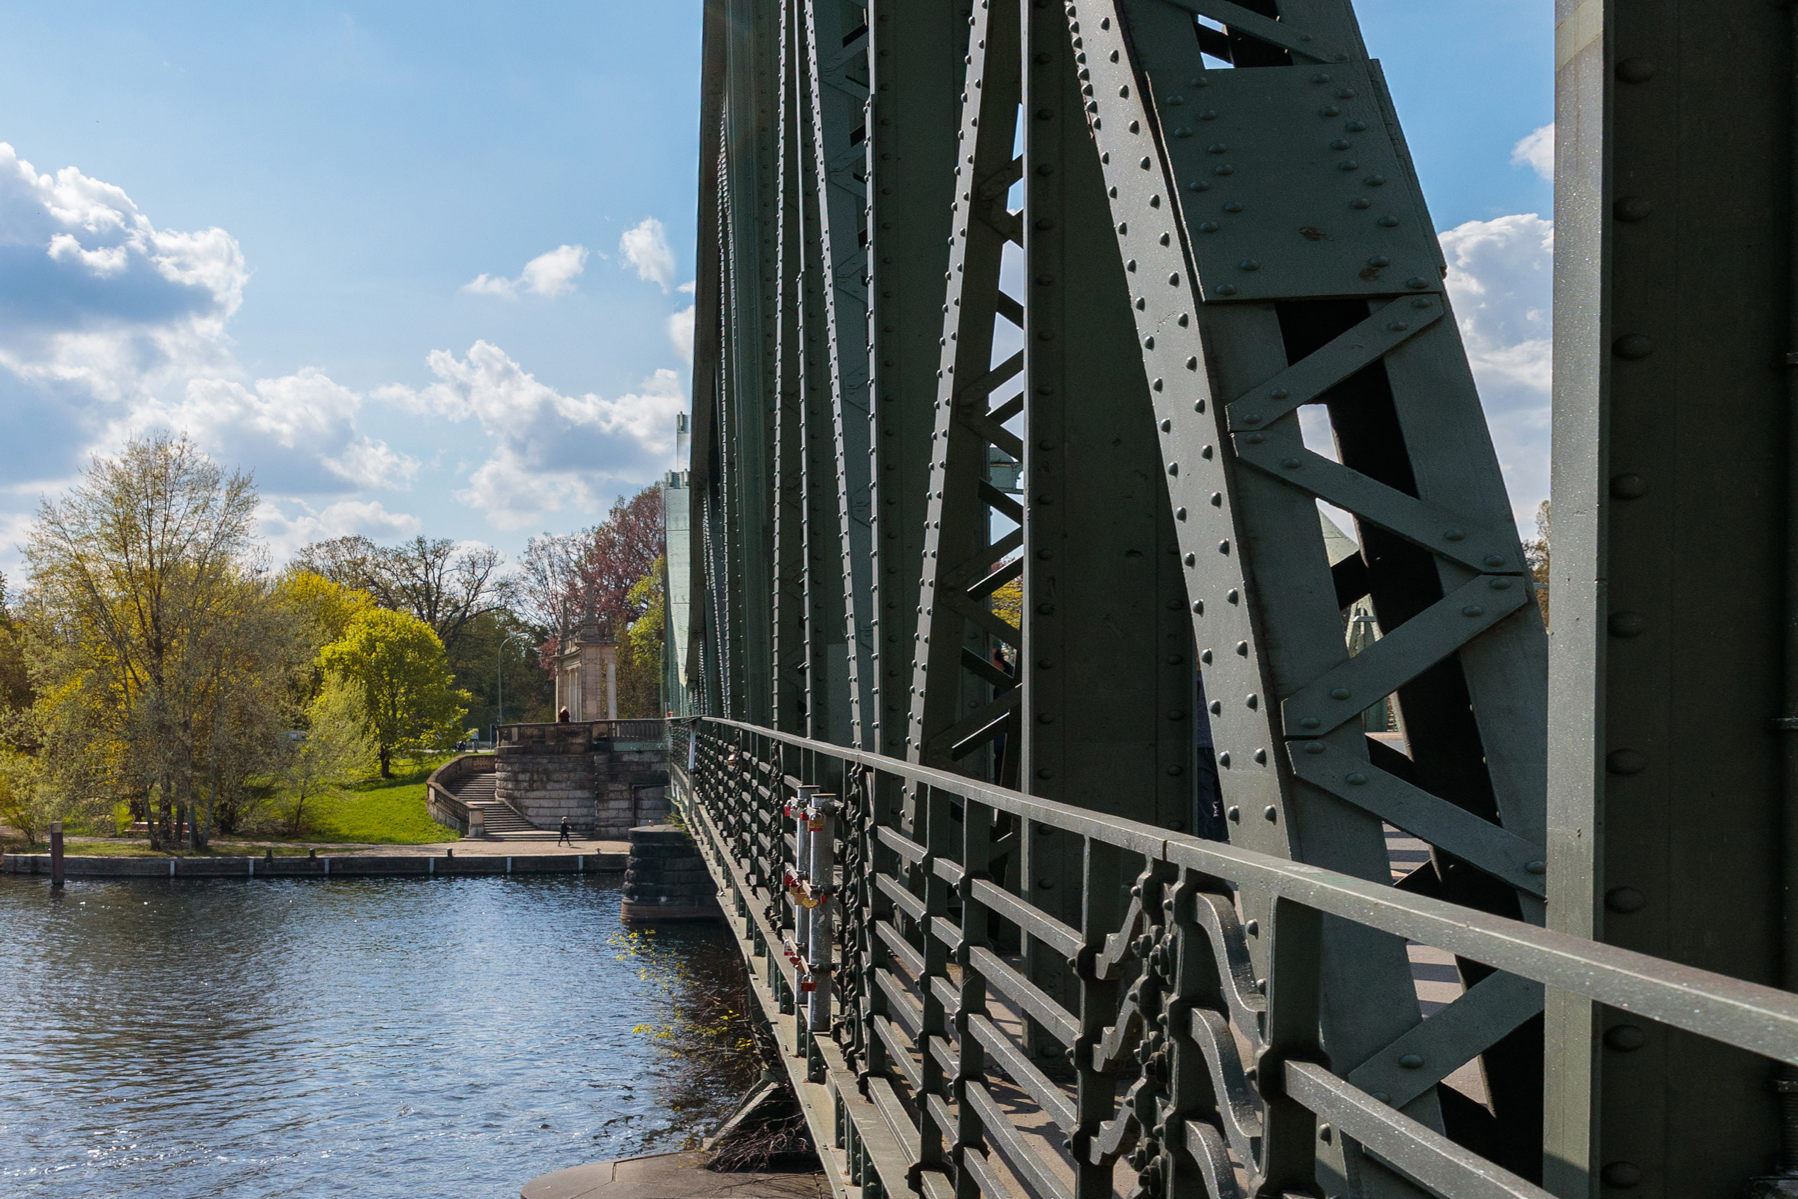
<point x="300" y="523"/>
<point x="689" y="287"/>
<point x="646" y="248"/>
<point x="680" y="332"/>
<point x="1500" y="279"/>
<point x="374" y="464"/>
<point x="1536" y="151"/>
<point x="94" y="296"/>
<point x="550" y="451"/>
<point x="549" y="274"/>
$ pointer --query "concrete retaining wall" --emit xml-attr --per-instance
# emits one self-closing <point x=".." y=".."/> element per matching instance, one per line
<point x="440" y="800"/>
<point x="341" y="866"/>
<point x="602" y="787"/>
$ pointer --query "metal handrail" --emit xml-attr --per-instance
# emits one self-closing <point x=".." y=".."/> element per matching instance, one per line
<point x="907" y="1006"/>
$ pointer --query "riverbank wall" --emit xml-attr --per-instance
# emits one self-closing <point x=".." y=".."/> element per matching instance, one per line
<point x="339" y="866"/>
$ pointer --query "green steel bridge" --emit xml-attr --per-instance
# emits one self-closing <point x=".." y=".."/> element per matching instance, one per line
<point x="1027" y="744"/>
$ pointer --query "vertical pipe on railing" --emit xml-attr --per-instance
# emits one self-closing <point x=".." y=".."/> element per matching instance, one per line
<point x="820" y="820"/>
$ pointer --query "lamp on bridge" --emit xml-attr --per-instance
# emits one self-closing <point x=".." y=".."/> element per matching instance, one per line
<point x="587" y="673"/>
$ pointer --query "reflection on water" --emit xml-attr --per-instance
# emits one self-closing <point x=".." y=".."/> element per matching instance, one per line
<point x="449" y="1037"/>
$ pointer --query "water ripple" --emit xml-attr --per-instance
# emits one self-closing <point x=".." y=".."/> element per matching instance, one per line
<point x="201" y="1038"/>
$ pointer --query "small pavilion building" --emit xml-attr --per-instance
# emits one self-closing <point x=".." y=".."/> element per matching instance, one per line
<point x="587" y="674"/>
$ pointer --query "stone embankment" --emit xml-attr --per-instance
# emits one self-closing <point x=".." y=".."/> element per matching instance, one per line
<point x="602" y="776"/>
<point x="334" y="866"/>
<point x="666" y="879"/>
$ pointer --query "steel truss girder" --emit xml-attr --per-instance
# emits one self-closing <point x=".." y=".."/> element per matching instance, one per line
<point x="1255" y="273"/>
<point x="1463" y="649"/>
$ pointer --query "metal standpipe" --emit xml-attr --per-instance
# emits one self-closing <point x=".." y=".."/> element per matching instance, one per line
<point x="802" y="915"/>
<point x="820" y="820"/>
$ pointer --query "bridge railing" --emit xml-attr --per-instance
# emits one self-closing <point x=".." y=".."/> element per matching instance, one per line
<point x="1067" y="1038"/>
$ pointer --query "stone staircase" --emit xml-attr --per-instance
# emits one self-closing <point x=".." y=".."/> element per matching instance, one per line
<point x="503" y="823"/>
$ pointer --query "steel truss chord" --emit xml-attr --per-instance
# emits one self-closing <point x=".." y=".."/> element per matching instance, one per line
<point x="1278" y="255"/>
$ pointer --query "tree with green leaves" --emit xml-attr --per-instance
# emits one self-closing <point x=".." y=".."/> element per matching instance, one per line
<point x="396" y="665"/>
<point x="640" y="652"/>
<point x="319" y="759"/>
<point x="161" y="664"/>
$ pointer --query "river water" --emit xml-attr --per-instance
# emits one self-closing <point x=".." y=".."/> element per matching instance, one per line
<point x="368" y="1038"/>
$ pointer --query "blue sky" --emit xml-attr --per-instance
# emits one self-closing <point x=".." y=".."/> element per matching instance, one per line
<point x="300" y="233"/>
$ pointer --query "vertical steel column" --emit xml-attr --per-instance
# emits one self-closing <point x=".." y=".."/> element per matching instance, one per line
<point x="1105" y="668"/>
<point x="837" y="84"/>
<point x="751" y="99"/>
<point x="789" y="666"/>
<point x="1672" y="605"/>
<point x="827" y="699"/>
<point x="915" y="68"/>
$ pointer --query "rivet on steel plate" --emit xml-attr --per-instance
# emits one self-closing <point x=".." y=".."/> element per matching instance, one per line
<point x="1270" y="813"/>
<point x="1625" y="1038"/>
<point x="1355" y="778"/>
<point x="1339" y="693"/>
<point x="1411" y="1061"/>
<point x="1473" y="610"/>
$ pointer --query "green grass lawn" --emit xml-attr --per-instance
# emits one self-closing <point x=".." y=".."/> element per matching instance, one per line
<point x="371" y="810"/>
<point x="379" y="811"/>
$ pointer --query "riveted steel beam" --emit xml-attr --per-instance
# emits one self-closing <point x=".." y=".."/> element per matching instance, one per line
<point x="836" y="87"/>
<point x="955" y="711"/>
<point x="790" y="663"/>
<point x="1674" y="679"/>
<point x="1264" y="217"/>
<point x="915" y="67"/>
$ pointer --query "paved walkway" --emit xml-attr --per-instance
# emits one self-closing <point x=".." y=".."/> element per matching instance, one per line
<point x="670" y="1176"/>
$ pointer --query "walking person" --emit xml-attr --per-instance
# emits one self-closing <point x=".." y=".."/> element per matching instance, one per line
<point x="567" y="833"/>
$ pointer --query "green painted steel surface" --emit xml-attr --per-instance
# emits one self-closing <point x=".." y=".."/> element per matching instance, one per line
<point x="1118" y="250"/>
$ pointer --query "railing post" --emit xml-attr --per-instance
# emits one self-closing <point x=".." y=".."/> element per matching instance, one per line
<point x="56" y="855"/>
